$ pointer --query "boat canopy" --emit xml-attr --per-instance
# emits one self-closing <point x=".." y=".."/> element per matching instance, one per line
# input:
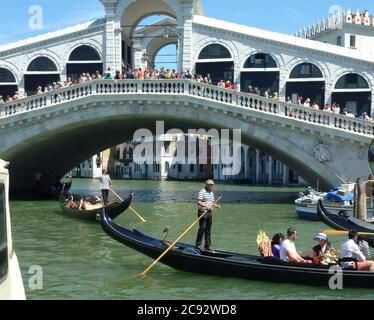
<point x="334" y="196"/>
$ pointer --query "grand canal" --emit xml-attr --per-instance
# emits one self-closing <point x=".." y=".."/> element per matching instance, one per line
<point x="79" y="261"/>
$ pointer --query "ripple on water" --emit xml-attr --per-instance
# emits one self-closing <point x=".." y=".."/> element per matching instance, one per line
<point x="81" y="262"/>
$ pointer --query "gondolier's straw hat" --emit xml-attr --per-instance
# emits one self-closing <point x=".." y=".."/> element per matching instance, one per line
<point x="210" y="182"/>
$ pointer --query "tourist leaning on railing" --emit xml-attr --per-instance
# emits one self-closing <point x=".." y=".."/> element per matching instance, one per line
<point x="172" y="74"/>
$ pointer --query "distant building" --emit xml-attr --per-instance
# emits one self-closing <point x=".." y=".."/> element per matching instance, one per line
<point x="354" y="30"/>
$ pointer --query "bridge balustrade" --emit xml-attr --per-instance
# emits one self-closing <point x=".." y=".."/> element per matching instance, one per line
<point x="191" y="88"/>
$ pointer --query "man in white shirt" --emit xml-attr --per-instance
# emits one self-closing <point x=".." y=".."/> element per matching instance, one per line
<point x="350" y="249"/>
<point x="288" y="249"/>
<point x="105" y="184"/>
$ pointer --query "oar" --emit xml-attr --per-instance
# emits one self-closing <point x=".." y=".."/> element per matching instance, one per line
<point x="139" y="216"/>
<point x="176" y="241"/>
<point x="345" y="233"/>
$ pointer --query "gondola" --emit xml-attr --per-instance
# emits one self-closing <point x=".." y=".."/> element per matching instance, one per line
<point x="345" y="222"/>
<point x="114" y="209"/>
<point x="187" y="258"/>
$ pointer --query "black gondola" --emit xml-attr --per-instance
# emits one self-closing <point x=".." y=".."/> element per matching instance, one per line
<point x="114" y="209"/>
<point x="187" y="258"/>
<point x="345" y="222"/>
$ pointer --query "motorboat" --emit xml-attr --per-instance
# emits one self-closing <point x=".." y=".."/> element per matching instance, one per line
<point x="11" y="284"/>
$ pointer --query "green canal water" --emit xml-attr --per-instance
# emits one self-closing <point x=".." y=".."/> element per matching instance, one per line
<point x="79" y="261"/>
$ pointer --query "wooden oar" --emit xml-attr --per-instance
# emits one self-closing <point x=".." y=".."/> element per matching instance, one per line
<point x="345" y="233"/>
<point x="139" y="216"/>
<point x="176" y="241"/>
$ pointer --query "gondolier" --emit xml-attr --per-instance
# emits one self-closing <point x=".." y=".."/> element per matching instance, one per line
<point x="206" y="204"/>
<point x="105" y="184"/>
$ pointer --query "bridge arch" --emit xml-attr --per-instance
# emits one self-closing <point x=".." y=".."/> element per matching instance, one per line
<point x="155" y="46"/>
<point x="130" y="13"/>
<point x="82" y="59"/>
<point x="307" y="79"/>
<point x="220" y="66"/>
<point x="353" y="92"/>
<point x="105" y="127"/>
<point x="260" y="70"/>
<point x="41" y="71"/>
<point x="8" y="82"/>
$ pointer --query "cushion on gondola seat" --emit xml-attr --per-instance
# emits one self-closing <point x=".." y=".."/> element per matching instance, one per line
<point x="279" y="262"/>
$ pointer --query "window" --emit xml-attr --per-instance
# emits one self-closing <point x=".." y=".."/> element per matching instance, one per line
<point x="85" y="53"/>
<point x="42" y="64"/>
<point x="352" y="81"/>
<point x="6" y="76"/>
<point x="339" y="41"/>
<point x="352" y="41"/>
<point x="214" y="51"/>
<point x="192" y="168"/>
<point x="3" y="235"/>
<point x="156" y="168"/>
<point x="306" y="70"/>
<point x="180" y="168"/>
<point x="260" y="60"/>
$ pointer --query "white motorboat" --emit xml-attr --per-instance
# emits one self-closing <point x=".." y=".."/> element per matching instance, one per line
<point x="11" y="284"/>
<point x="335" y="201"/>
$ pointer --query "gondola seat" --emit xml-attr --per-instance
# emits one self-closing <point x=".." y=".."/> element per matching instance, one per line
<point x="278" y="262"/>
<point x="349" y="260"/>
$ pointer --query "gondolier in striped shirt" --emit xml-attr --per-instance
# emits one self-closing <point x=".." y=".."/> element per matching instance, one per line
<point x="206" y="204"/>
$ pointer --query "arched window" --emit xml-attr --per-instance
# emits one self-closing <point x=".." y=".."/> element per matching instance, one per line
<point x="352" y="81"/>
<point x="306" y="70"/>
<point x="84" y="53"/>
<point x="214" y="51"/>
<point x="42" y="64"/>
<point x="6" y="76"/>
<point x="260" y="60"/>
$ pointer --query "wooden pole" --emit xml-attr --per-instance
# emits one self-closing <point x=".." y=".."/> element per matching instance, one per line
<point x="176" y="241"/>
<point x="139" y="216"/>
<point x="361" y="200"/>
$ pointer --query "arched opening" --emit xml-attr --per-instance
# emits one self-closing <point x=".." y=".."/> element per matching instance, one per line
<point x="216" y="60"/>
<point x="353" y="93"/>
<point x="261" y="71"/>
<point x="84" y="59"/>
<point x="167" y="57"/>
<point x="306" y="80"/>
<point x="8" y="83"/>
<point x="42" y="71"/>
<point x="142" y="21"/>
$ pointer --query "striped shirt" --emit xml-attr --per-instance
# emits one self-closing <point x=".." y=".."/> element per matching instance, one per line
<point x="206" y="197"/>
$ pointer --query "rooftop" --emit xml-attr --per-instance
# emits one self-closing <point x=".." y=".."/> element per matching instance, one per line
<point x="52" y="35"/>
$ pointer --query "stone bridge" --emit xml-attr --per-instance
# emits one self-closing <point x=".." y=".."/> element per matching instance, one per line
<point x="53" y="132"/>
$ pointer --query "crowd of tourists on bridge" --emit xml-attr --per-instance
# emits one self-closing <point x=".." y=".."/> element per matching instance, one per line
<point x="172" y="74"/>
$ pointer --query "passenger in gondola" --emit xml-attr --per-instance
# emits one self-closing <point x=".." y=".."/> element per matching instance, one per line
<point x="350" y="249"/>
<point x="276" y="244"/>
<point x="323" y="247"/>
<point x="69" y="202"/>
<point x="288" y="250"/>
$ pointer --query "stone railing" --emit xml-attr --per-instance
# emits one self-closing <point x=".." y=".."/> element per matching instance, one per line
<point x="190" y="88"/>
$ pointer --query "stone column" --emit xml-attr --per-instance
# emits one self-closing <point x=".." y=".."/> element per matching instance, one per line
<point x="186" y="27"/>
<point x="282" y="84"/>
<point x="285" y="174"/>
<point x="258" y="166"/>
<point x="328" y="93"/>
<point x="110" y="45"/>
<point x="118" y="46"/>
<point x="270" y="159"/>
<point x="138" y="60"/>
